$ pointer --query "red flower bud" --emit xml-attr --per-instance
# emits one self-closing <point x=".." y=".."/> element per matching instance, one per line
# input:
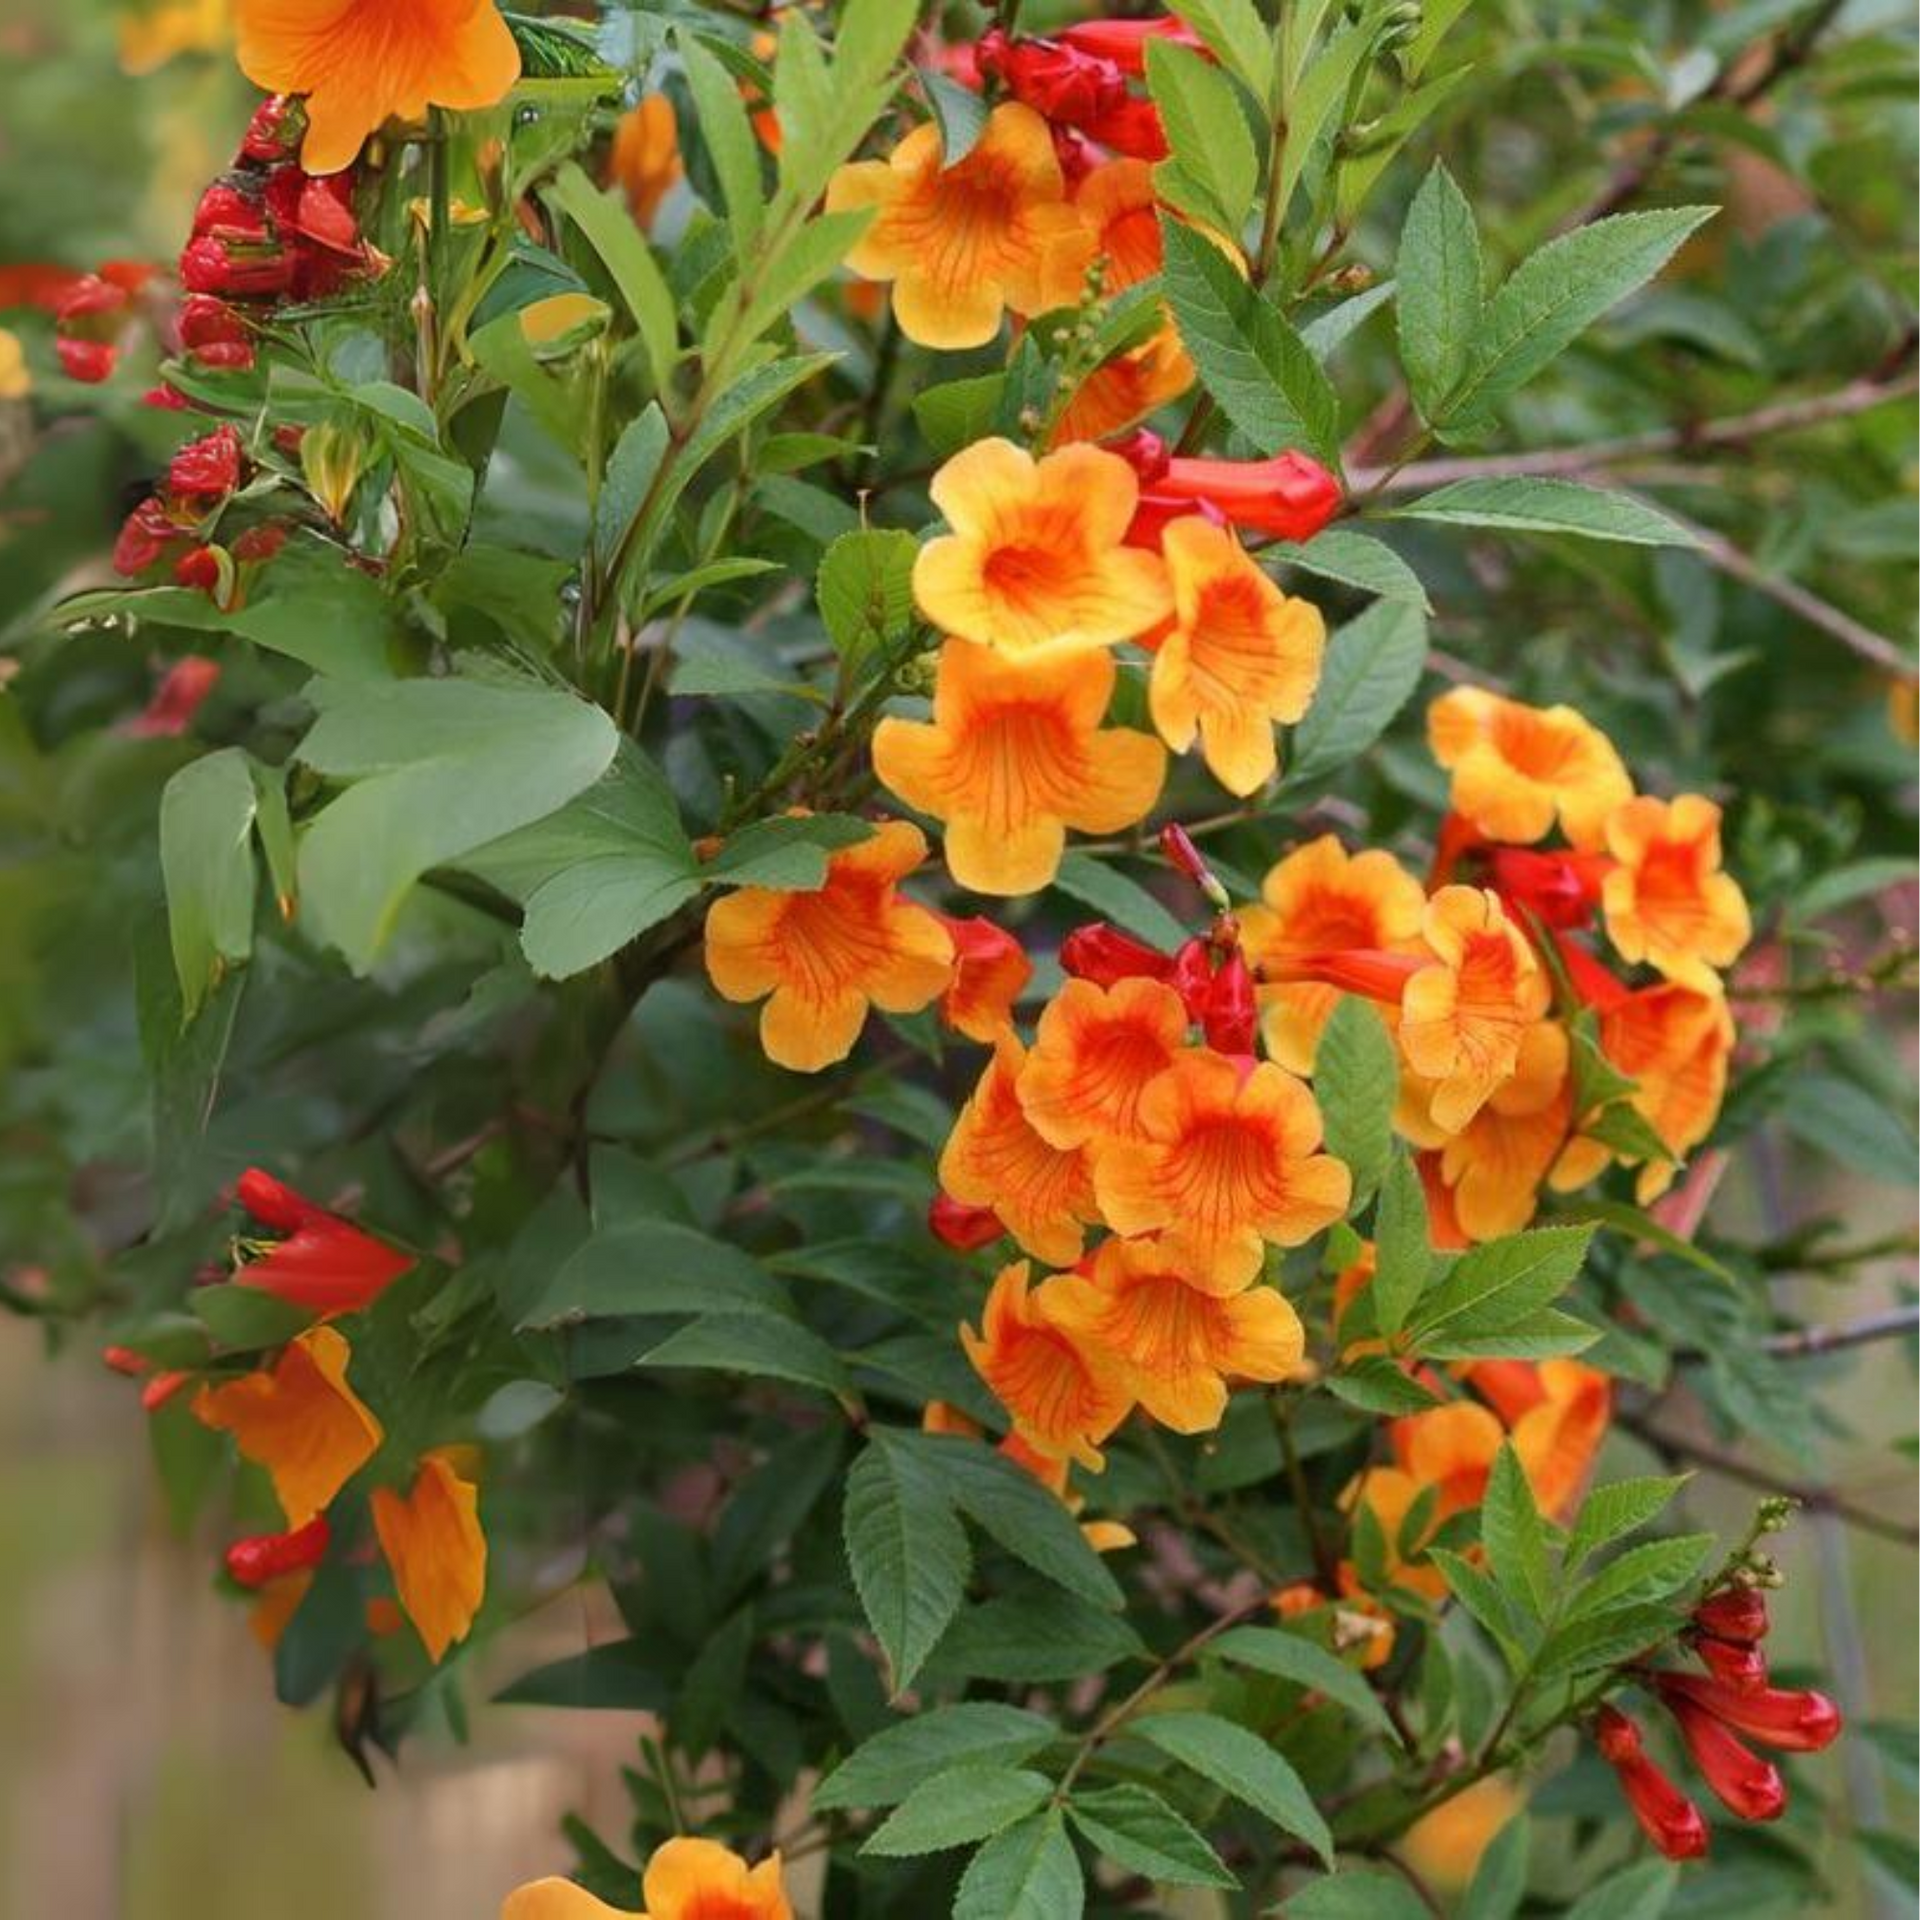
<point x="1191" y="977"/>
<point x="261" y="542"/>
<point x="325" y="1264"/>
<point x="178" y="698"/>
<point x="1232" y="1019"/>
<point x="1666" y="1816"/>
<point x="1747" y="1786"/>
<point x="961" y="1227"/>
<point x="144" y="538"/>
<point x="227" y="213"/>
<point x="88" y="361"/>
<point x="274" y="131"/>
<point x="1177" y="844"/>
<point x="270" y="1556"/>
<point x="1056" y="81"/>
<point x="1145" y="451"/>
<point x="166" y="399"/>
<point x="1733" y="1663"/>
<point x="1103" y="954"/>
<point x="1734" y="1613"/>
<point x="1785" y="1718"/>
<point x="1156" y="512"/>
<point x="207" y="468"/>
<point x="1131" y="128"/>
<point x="1288" y="497"/>
<point x="226" y="356"/>
<point x="213" y="266"/>
<point x="1596" y="983"/>
<point x="160" y="1389"/>
<point x="323" y="213"/>
<point x="125" y="1360"/>
<point x="1124" y="42"/>
<point x="1561" y="889"/>
<point x="199" y="568"/>
<point x="206" y="322"/>
<point x="90" y="297"/>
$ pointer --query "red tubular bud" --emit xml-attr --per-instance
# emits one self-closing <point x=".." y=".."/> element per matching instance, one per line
<point x="166" y="399"/>
<point x="1597" y="985"/>
<point x="1743" y="1783"/>
<point x="199" y="568"/>
<point x="1103" y="954"/>
<point x="1787" y="1719"/>
<point x="273" y="132"/>
<point x="124" y="1360"/>
<point x="1157" y="511"/>
<point x="1734" y="1613"/>
<point x="1741" y="1667"/>
<point x="1561" y="889"/>
<point x="90" y="297"/>
<point x="323" y="213"/>
<point x="963" y="1228"/>
<point x="207" y="468"/>
<point x="207" y="322"/>
<point x="144" y="538"/>
<point x="1232" y="1022"/>
<point x="228" y="356"/>
<point x="1132" y="128"/>
<point x="1191" y="977"/>
<point x="261" y="543"/>
<point x="269" y="1556"/>
<point x="213" y="266"/>
<point x="88" y="361"/>
<point x="160" y="1389"/>
<point x="227" y="213"/>
<point x="1145" y="452"/>
<point x="1057" y="81"/>
<point x="1177" y="844"/>
<point x="178" y="698"/>
<point x="1289" y="497"/>
<point x="1666" y="1816"/>
<point x="1124" y="42"/>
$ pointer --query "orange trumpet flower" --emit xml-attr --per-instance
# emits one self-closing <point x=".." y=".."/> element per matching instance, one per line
<point x="1517" y="768"/>
<point x="1667" y="902"/>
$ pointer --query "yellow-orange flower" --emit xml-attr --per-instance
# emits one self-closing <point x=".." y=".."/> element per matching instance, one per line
<point x="1463" y="1017"/>
<point x="1225" y="1161"/>
<point x="1667" y="902"/>
<point x="687" y="1879"/>
<point x="1675" y="1045"/>
<point x="1037" y="553"/>
<point x="1176" y="1344"/>
<point x="1240" y="656"/>
<point x="990" y="973"/>
<point x="1557" y="1413"/>
<point x="646" y="155"/>
<point x="1322" y="899"/>
<point x="1517" y="768"/>
<point x="150" y="35"/>
<point x="300" y="1420"/>
<point x="967" y="243"/>
<point x="438" y="1554"/>
<point x="363" y="62"/>
<point x="1062" y="1393"/>
<point x="1126" y="388"/>
<point x="1095" y="1052"/>
<point x="1014" y="756"/>
<point x="1493" y="1167"/>
<point x="1450" y="1449"/>
<point x="994" y="1158"/>
<point x="825" y="957"/>
<point x="15" y="381"/>
<point x="1444" y="1848"/>
<point x="1122" y="215"/>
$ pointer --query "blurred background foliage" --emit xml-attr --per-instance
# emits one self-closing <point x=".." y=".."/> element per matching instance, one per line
<point x="1772" y="668"/>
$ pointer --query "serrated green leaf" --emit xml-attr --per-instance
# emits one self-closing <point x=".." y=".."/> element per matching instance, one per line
<point x="1536" y="504"/>
<point x="1354" y="560"/>
<point x="865" y="591"/>
<point x="1512" y="1532"/>
<point x="730" y="143"/>
<point x="760" y="1346"/>
<point x="1642" y="1892"/>
<point x="1212" y="148"/>
<point x="609" y="229"/>
<point x="1618" y="1508"/>
<point x="1647" y="1572"/>
<point x="1125" y="902"/>
<point x="1290" y="1656"/>
<point x="1373" y="664"/>
<point x="1442" y="284"/>
<point x="1356" y="1079"/>
<point x="956" y="1808"/>
<point x="207" y="815"/>
<point x="1402" y="1245"/>
<point x="884" y="1769"/>
<point x="1235" y="33"/>
<point x="1359" y="1893"/>
<point x="1501" y="1283"/>
<point x="908" y="1555"/>
<point x="1029" y="1872"/>
<point x="1242" y="1764"/>
<point x="1499" y="1882"/>
<point x="1137" y="1830"/>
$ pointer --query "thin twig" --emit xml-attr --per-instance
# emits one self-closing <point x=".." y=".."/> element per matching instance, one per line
<point x="1804" y="1343"/>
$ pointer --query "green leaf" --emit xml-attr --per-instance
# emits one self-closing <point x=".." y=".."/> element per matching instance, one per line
<point x="609" y="229"/>
<point x="1235" y="33"/>
<point x="633" y="469"/>
<point x="908" y="1555"/>
<point x="780" y="284"/>
<point x="1326" y="332"/>
<point x="1354" y="560"/>
<point x="1356" y="1079"/>
<point x="206" y="858"/>
<point x="1036" y="1636"/>
<point x="1641" y="1892"/>
<point x="1361" y="1893"/>
<point x="1029" y="1872"/>
<point x="1376" y="1384"/>
<point x="1849" y="1125"/>
<point x="1290" y="1656"/>
<point x="1544" y="1334"/>
<point x="1641" y="1226"/>
<point x="439" y="768"/>
<point x="1244" y="1765"/>
<point x="1554" y="295"/>
<point x="1137" y="1830"/>
<point x="656" y="1266"/>
<point x="1499" y="1882"/>
<point x="1112" y="895"/>
<point x="883" y="1770"/>
<point x="1501" y="1283"/>
<point x="1213" y="159"/>
<point x="760" y="1346"/>
<point x="1316" y="98"/>
<point x="1602" y="1641"/>
<point x="1373" y="664"/>
<point x="1616" y="1509"/>
<point x="959" y="112"/>
<point x="1650" y="1571"/>
<point x="1403" y="1246"/>
<point x="788" y="854"/>
<point x="1442" y="284"/>
<point x="865" y="591"/>
<point x="712" y="1687"/>
<point x="730" y="142"/>
<point x="1253" y="363"/>
<point x="246" y="1319"/>
<point x="1513" y="1533"/>
<point x="1008" y="1503"/>
<point x="958" y="412"/>
<point x="1841" y="886"/>
<point x="1486" y="1602"/>
<point x="956" y="1808"/>
<point x="1541" y="505"/>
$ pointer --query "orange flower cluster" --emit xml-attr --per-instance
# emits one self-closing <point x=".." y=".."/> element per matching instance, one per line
<point x="1494" y="978"/>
